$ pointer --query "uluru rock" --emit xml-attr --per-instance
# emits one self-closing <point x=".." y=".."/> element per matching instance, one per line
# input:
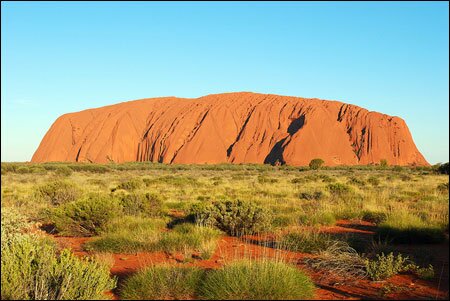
<point x="232" y="127"/>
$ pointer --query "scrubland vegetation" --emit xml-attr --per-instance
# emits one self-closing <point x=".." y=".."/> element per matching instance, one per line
<point x="188" y="209"/>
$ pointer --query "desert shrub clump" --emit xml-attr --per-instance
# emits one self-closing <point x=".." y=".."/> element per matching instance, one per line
<point x="262" y="279"/>
<point x="316" y="163"/>
<point x="234" y="217"/>
<point x="375" y="217"/>
<point x="339" y="189"/>
<point x="385" y="266"/>
<point x="147" y="204"/>
<point x="85" y="217"/>
<point x="130" y="185"/>
<point x="32" y="269"/>
<point x="162" y="282"/>
<point x="58" y="192"/>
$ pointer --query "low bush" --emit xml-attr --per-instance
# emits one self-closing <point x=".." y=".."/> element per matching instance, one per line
<point x="316" y="195"/>
<point x="32" y="269"/>
<point x="375" y="217"/>
<point x="356" y="181"/>
<point x="234" y="217"/>
<point x="58" y="192"/>
<point x="63" y="171"/>
<point x="147" y="204"/>
<point x="339" y="189"/>
<point x="443" y="188"/>
<point x="130" y="185"/>
<point x="85" y="217"/>
<point x="385" y="266"/>
<point x="162" y="282"/>
<point x="264" y="180"/>
<point x="257" y="280"/>
<point x="374" y="181"/>
<point x="316" y="163"/>
<point x="13" y="223"/>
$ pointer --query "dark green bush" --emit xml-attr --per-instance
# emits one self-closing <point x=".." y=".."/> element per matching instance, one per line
<point x="374" y="217"/>
<point x="356" y="181"/>
<point x="316" y="163"/>
<point x="234" y="217"/>
<point x="63" y="171"/>
<point x="316" y="195"/>
<point x="263" y="180"/>
<point x="443" y="168"/>
<point x="374" y="181"/>
<point x="85" y="217"/>
<point x="58" y="192"/>
<point x="147" y="204"/>
<point x="130" y="185"/>
<point x="339" y="189"/>
<point x="443" y="187"/>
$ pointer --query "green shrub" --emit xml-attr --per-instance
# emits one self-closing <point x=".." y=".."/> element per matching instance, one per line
<point x="33" y="270"/>
<point x="85" y="217"/>
<point x="58" y="192"/>
<point x="385" y="266"/>
<point x="263" y="180"/>
<point x="130" y="185"/>
<point x="305" y="242"/>
<point x="316" y="163"/>
<point x="163" y="282"/>
<point x="147" y="204"/>
<point x="425" y="273"/>
<point x="316" y="195"/>
<point x="13" y="223"/>
<point x="374" y="217"/>
<point x="339" y="189"/>
<point x="23" y="170"/>
<point x="443" y="187"/>
<point x="356" y="181"/>
<point x="63" y="171"/>
<point x="383" y="163"/>
<point x="374" y="181"/>
<point x="89" y="167"/>
<point x="234" y="217"/>
<point x="257" y="280"/>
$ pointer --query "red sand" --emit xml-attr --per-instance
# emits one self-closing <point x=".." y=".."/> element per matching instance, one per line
<point x="333" y="287"/>
<point x="230" y="128"/>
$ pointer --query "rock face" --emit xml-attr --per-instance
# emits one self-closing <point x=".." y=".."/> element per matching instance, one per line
<point x="231" y="127"/>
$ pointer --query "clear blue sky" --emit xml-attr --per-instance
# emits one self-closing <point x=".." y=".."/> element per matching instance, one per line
<point x="64" y="57"/>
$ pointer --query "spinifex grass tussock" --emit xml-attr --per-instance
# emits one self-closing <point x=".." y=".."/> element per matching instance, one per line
<point x="163" y="282"/>
<point x="263" y="279"/>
